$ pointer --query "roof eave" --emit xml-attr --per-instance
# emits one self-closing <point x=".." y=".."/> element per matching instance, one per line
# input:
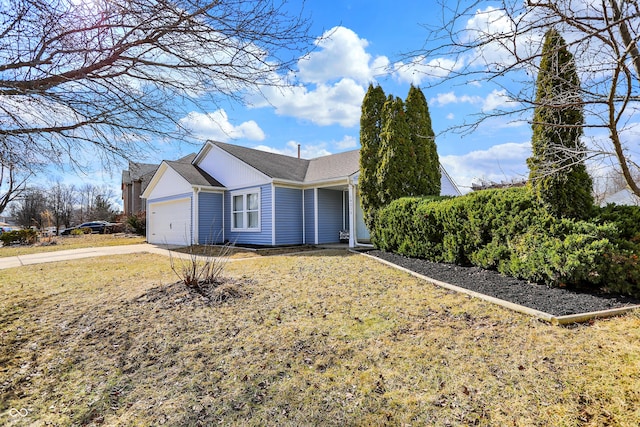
<point x="208" y="188"/>
<point x="154" y="180"/>
<point x="327" y="182"/>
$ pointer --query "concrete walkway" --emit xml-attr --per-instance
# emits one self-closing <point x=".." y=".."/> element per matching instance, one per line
<point x="71" y="254"/>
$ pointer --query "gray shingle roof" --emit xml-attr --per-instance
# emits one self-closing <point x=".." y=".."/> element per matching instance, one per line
<point x="273" y="165"/>
<point x="279" y="166"/>
<point x="193" y="174"/>
<point x="333" y="166"/>
<point x="138" y="171"/>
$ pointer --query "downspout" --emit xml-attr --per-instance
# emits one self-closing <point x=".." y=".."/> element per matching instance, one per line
<point x="304" y="227"/>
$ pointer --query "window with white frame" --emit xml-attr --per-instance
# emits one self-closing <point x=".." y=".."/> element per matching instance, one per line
<point x="245" y="211"/>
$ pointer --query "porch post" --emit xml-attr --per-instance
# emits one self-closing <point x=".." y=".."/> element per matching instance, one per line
<point x="352" y="216"/>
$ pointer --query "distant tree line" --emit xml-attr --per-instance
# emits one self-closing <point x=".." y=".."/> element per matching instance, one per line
<point x="63" y="206"/>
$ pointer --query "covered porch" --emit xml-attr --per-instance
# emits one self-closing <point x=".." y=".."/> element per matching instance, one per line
<point x="332" y="214"/>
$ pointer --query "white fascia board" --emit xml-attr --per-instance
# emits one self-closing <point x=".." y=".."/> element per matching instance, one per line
<point x="287" y="183"/>
<point x="208" y="189"/>
<point x="154" y="180"/>
<point x="203" y="152"/>
<point x="326" y="183"/>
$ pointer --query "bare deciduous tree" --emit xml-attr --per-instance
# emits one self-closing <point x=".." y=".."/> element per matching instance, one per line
<point x="61" y="199"/>
<point x="87" y="79"/>
<point x="12" y="183"/>
<point x="501" y="44"/>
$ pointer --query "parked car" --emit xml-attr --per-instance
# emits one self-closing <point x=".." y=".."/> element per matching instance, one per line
<point x="50" y="231"/>
<point x="95" y="226"/>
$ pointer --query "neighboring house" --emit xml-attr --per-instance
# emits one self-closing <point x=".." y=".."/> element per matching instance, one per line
<point x="229" y="193"/>
<point x="622" y="197"/>
<point x="134" y="182"/>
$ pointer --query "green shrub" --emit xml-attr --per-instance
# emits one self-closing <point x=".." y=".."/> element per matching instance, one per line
<point x="78" y="231"/>
<point x="137" y="223"/>
<point x="506" y="230"/>
<point x="626" y="218"/>
<point x="568" y="253"/>
<point x="24" y="237"/>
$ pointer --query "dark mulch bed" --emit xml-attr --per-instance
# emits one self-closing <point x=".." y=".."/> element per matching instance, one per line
<point x="554" y="301"/>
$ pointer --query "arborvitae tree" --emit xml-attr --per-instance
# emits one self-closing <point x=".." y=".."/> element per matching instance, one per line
<point x="425" y="177"/>
<point x="370" y="129"/>
<point x="557" y="173"/>
<point x="395" y="168"/>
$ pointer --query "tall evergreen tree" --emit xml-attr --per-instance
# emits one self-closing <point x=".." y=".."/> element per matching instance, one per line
<point x="557" y="173"/>
<point x="370" y="129"/>
<point x="395" y="168"/>
<point x="425" y="176"/>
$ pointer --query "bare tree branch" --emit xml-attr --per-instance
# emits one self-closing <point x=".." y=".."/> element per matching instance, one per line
<point x="103" y="66"/>
<point x="501" y="45"/>
<point x="107" y="76"/>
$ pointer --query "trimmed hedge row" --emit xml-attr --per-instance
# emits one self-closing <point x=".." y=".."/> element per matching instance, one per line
<point x="506" y="230"/>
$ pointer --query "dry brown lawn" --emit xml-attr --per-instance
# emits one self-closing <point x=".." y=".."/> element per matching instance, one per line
<point x="314" y="339"/>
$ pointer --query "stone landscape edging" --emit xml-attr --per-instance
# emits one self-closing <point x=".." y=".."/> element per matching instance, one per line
<point x="554" y="320"/>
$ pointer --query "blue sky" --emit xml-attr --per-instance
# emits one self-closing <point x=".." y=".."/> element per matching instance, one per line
<point x="364" y="42"/>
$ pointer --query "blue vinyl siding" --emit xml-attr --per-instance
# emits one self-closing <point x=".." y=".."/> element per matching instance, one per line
<point x="288" y="216"/>
<point x="329" y="215"/>
<point x="309" y="222"/>
<point x="210" y="218"/>
<point x="262" y="237"/>
<point x="345" y="210"/>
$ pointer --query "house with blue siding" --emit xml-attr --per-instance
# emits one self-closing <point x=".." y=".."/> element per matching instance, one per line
<point x="230" y="193"/>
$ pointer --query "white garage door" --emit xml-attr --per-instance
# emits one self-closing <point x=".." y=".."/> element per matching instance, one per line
<point x="170" y="222"/>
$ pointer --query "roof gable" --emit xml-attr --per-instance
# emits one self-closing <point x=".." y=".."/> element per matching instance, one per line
<point x="276" y="166"/>
<point x="193" y="174"/>
<point x="166" y="182"/>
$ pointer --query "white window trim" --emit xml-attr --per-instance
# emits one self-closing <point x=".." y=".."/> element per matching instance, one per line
<point x="245" y="219"/>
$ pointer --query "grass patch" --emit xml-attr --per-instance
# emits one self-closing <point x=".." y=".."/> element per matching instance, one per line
<point x="317" y="339"/>
<point x="61" y="243"/>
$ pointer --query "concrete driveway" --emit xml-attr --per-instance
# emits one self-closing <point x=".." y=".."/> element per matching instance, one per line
<point x="17" y="261"/>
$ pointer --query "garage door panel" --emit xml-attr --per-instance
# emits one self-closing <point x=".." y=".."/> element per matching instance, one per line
<point x="170" y="222"/>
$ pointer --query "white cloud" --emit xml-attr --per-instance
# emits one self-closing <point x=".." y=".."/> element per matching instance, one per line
<point x="420" y="69"/>
<point x="496" y="99"/>
<point x="217" y="126"/>
<point x="341" y="55"/>
<point x="451" y="116"/>
<point x="347" y="142"/>
<point x="442" y="99"/>
<point x="489" y="23"/>
<point x="307" y="151"/>
<point x="326" y="105"/>
<point x="330" y="83"/>
<point x="503" y="162"/>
